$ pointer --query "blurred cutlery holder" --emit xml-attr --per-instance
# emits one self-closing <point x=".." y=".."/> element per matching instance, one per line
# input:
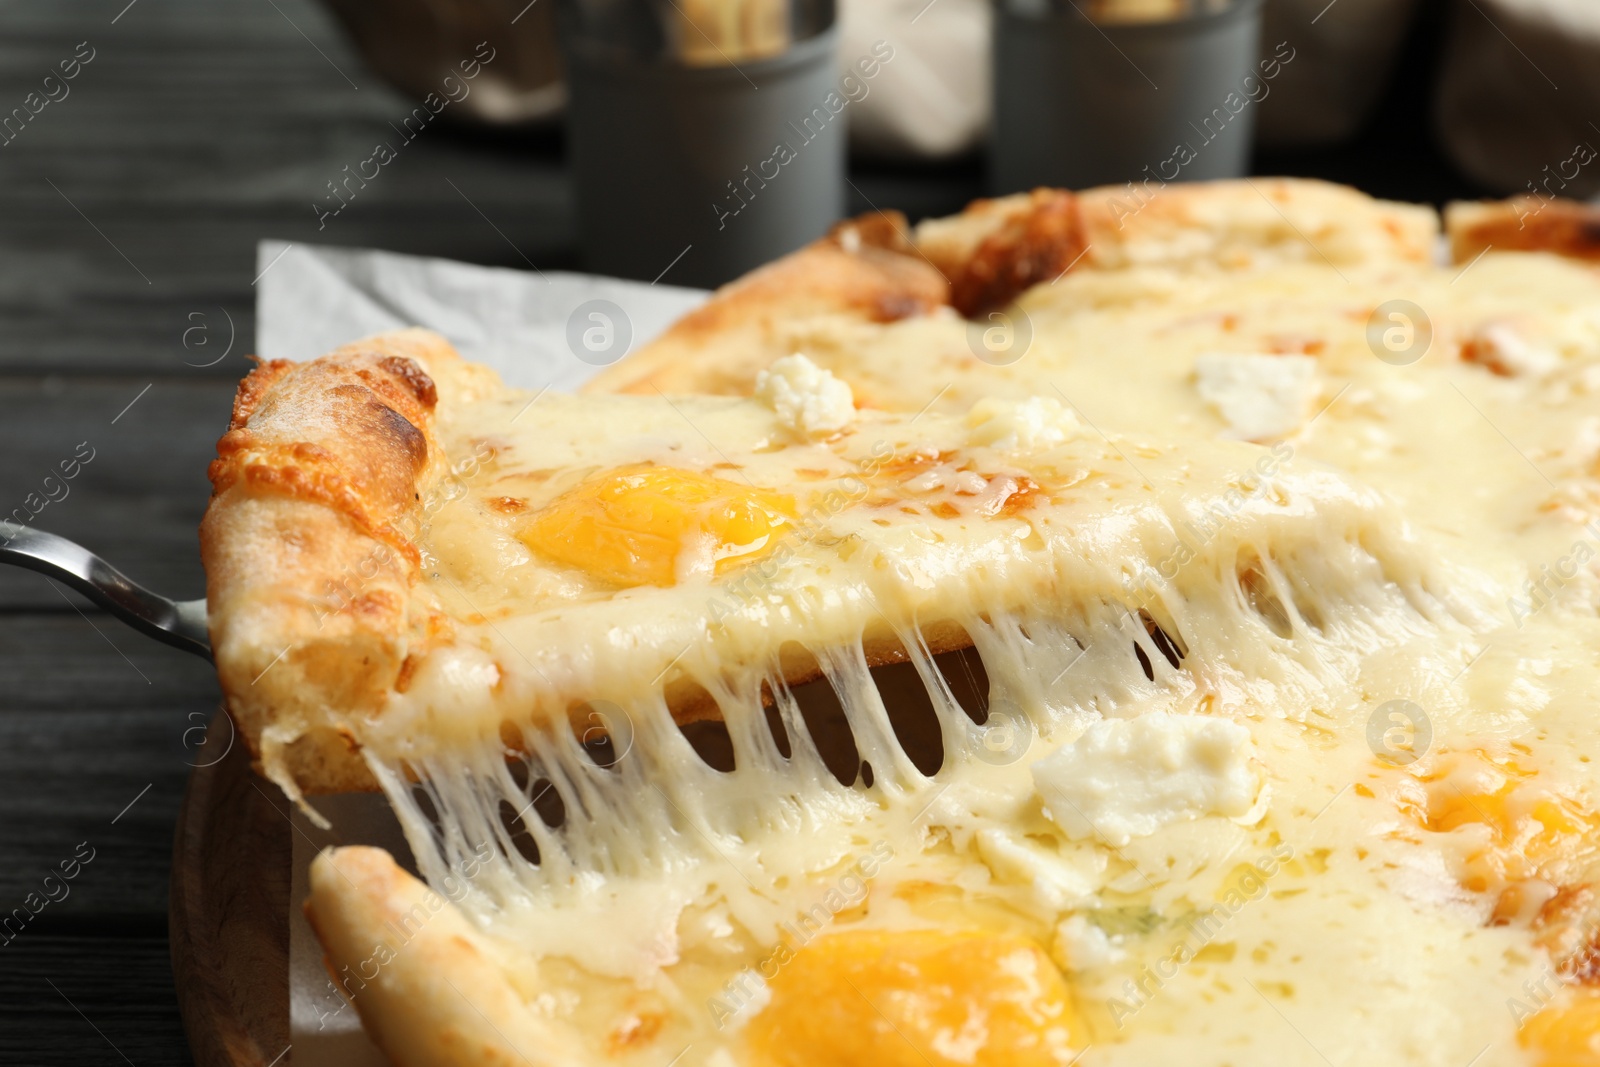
<point x="1079" y="104"/>
<point x="711" y="170"/>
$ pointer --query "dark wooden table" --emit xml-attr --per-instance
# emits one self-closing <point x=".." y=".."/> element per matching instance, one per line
<point x="127" y="233"/>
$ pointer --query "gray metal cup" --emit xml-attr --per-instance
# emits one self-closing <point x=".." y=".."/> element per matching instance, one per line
<point x="1079" y="104"/>
<point x="695" y="175"/>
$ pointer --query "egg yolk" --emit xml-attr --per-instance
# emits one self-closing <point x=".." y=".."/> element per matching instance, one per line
<point x="923" y="998"/>
<point x="1567" y="1033"/>
<point x="647" y="525"/>
<point x="1532" y="833"/>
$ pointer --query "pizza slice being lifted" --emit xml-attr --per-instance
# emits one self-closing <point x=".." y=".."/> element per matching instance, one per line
<point x="405" y="557"/>
<point x="774" y="729"/>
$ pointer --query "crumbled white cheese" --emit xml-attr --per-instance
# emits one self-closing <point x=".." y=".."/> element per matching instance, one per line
<point x="1127" y="778"/>
<point x="808" y="399"/>
<point x="1080" y="945"/>
<point x="1038" y="422"/>
<point x="1055" y="884"/>
<point x="1259" y="397"/>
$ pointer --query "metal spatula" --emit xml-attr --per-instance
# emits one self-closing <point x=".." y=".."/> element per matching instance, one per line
<point x="180" y="623"/>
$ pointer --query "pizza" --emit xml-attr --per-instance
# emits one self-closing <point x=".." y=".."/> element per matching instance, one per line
<point x="876" y="271"/>
<point x="1080" y="631"/>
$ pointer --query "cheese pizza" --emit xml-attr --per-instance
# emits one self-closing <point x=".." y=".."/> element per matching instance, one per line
<point x="1083" y="631"/>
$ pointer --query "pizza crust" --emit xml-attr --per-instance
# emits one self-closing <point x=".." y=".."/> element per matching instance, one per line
<point x="867" y="270"/>
<point x="309" y="563"/>
<point x="1568" y="228"/>
<point x="874" y="269"/>
<point x="425" y="982"/>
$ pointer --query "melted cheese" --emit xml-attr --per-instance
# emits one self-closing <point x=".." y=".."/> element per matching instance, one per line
<point x="1037" y="422"/>
<point x="1358" y="882"/>
<point x="700" y="875"/>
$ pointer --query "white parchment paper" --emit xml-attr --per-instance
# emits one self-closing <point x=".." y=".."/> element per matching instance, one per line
<point x="536" y="329"/>
<point x="312" y="299"/>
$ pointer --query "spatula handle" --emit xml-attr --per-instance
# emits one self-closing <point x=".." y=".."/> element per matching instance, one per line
<point x="180" y="623"/>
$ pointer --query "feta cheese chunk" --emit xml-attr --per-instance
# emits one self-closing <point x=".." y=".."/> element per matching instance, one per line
<point x="1038" y="422"/>
<point x="1260" y="397"/>
<point x="1127" y="778"/>
<point x="1056" y="883"/>
<point x="808" y="399"/>
<point x="1080" y="945"/>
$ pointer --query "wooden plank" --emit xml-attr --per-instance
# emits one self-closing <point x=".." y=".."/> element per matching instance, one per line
<point x="96" y="743"/>
<point x="201" y="263"/>
<point x="100" y="1000"/>
<point x="64" y="662"/>
<point x="138" y="499"/>
<point x="102" y="783"/>
<point x="199" y="129"/>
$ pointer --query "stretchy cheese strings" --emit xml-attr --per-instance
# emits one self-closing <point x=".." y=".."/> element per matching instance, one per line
<point x="1289" y="621"/>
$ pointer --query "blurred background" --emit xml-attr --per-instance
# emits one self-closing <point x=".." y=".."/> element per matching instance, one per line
<point x="199" y="127"/>
<point x="147" y="146"/>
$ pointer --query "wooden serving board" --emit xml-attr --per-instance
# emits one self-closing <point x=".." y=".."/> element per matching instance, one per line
<point x="229" y="909"/>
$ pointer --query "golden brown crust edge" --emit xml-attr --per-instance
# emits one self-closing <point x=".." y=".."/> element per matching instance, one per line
<point x="307" y="548"/>
<point x="1567" y="228"/>
<point x="875" y="269"/>
<point x="865" y="270"/>
<point x="426" y="984"/>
